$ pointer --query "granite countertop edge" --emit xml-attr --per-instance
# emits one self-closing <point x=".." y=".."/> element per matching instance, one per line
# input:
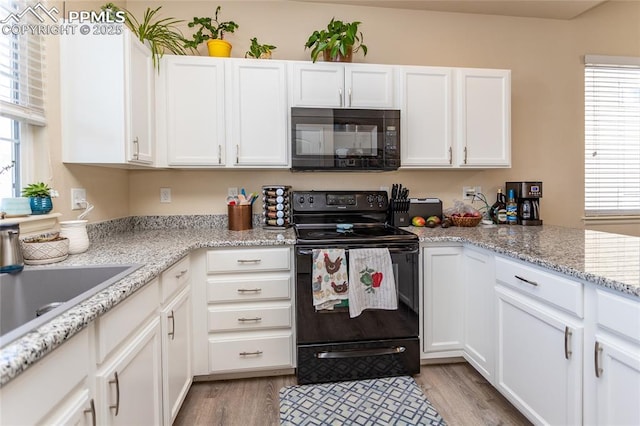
<point x="19" y="355"/>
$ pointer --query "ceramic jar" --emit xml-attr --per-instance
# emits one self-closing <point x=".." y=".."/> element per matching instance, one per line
<point x="76" y="232"/>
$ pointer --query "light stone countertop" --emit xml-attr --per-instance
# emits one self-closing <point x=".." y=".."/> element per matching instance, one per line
<point x="592" y="256"/>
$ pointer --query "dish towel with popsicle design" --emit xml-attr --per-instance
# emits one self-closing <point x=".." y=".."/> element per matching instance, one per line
<point x="371" y="281"/>
<point x="330" y="280"/>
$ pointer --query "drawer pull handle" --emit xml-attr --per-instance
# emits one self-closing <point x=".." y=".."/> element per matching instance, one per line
<point x="256" y="319"/>
<point x="567" y="335"/>
<point x="597" y="350"/>
<point x="172" y="333"/>
<point x="256" y="353"/>
<point x="242" y="261"/>
<point x="184" y="271"/>
<point x="533" y="283"/>
<point x="249" y="290"/>
<point x="117" y="383"/>
<point x="92" y="410"/>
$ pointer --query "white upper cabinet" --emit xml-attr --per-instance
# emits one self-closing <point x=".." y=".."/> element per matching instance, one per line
<point x="107" y="100"/>
<point x="426" y="116"/>
<point x="257" y="102"/>
<point x="223" y="112"/>
<point x="483" y="103"/>
<point x="338" y="85"/>
<point x="194" y="119"/>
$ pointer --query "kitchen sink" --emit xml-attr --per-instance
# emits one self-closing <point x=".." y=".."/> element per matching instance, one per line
<point x="32" y="297"/>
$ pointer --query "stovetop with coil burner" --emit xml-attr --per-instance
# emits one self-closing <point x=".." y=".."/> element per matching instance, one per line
<point x="351" y="217"/>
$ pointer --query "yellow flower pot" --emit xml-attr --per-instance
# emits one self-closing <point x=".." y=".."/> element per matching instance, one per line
<point x="219" y="48"/>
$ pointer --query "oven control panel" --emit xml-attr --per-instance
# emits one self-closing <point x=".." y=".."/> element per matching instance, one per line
<point x="307" y="201"/>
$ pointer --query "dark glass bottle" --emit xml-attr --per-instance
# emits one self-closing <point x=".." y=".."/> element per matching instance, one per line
<point x="497" y="212"/>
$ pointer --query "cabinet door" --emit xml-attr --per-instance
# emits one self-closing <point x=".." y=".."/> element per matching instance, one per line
<point x="426" y="116"/>
<point x="195" y="111"/>
<point x="176" y="335"/>
<point x="479" y="323"/>
<point x="539" y="360"/>
<point x="129" y="386"/>
<point x="368" y="86"/>
<point x="443" y="295"/>
<point x="317" y="85"/>
<point x="483" y="117"/>
<point x="141" y="103"/>
<point x="257" y="91"/>
<point x="618" y="382"/>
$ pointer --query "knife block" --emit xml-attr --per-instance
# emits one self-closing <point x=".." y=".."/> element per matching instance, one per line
<point x="400" y="219"/>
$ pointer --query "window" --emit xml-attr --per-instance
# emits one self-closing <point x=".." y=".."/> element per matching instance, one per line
<point x="21" y="90"/>
<point x="612" y="136"/>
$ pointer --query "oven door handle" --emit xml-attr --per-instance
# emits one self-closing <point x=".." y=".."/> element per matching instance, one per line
<point x="394" y="250"/>
<point x="354" y="353"/>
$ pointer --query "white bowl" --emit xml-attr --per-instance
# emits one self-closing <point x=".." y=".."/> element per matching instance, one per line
<point x="40" y="253"/>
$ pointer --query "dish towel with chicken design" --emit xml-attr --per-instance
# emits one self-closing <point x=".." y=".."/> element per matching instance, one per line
<point x="330" y="281"/>
<point x="371" y="281"/>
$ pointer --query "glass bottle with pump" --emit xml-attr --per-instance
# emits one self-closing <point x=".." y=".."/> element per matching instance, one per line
<point x="512" y="209"/>
<point x="498" y="212"/>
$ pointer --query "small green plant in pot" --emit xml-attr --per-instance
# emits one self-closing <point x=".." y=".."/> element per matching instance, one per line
<point x="259" y="51"/>
<point x="338" y="42"/>
<point x="39" y="195"/>
<point x="160" y="34"/>
<point x="214" y="35"/>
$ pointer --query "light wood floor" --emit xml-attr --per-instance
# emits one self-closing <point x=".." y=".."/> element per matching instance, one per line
<point x="457" y="391"/>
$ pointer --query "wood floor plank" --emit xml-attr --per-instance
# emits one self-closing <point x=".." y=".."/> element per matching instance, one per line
<point x="459" y="393"/>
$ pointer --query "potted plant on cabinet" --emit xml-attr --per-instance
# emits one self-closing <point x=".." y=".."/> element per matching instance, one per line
<point x="39" y="195"/>
<point x="259" y="51"/>
<point x="338" y="42"/>
<point x="216" y="44"/>
<point x="161" y="35"/>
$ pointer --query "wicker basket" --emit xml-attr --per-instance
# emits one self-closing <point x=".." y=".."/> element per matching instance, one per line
<point x="468" y="222"/>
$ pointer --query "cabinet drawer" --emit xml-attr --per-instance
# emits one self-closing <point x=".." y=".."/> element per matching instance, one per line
<point x="250" y="351"/>
<point x="248" y="260"/>
<point x="619" y="315"/>
<point x="249" y="317"/>
<point x="559" y="291"/>
<point x="249" y="288"/>
<point x="113" y="327"/>
<point x="175" y="277"/>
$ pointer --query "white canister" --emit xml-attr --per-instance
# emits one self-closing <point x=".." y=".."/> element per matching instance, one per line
<point x="76" y="232"/>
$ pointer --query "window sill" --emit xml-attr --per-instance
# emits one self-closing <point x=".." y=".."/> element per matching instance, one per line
<point x="35" y="223"/>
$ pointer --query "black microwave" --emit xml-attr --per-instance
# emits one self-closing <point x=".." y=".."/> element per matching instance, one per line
<point x="345" y="139"/>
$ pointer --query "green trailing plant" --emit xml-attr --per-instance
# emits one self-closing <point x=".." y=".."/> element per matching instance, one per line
<point x="257" y="50"/>
<point x="213" y="26"/>
<point x="339" y="38"/>
<point x="162" y="35"/>
<point x="39" y="189"/>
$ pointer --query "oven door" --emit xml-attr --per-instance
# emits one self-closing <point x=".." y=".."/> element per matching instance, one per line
<point x="344" y="139"/>
<point x="326" y="326"/>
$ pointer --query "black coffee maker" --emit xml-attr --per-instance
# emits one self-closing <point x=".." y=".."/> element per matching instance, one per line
<point x="528" y="196"/>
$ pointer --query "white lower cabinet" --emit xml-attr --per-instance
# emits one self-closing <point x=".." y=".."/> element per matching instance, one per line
<point x="479" y="310"/>
<point x="248" y="316"/>
<point x="612" y="362"/>
<point x="540" y="345"/>
<point x="443" y="295"/>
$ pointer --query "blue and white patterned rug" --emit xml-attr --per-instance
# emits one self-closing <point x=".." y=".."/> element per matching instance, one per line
<point x="387" y="401"/>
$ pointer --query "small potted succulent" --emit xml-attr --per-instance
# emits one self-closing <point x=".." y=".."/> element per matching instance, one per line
<point x="259" y="51"/>
<point x="216" y="44"/>
<point x="39" y="195"/>
<point x="338" y="42"/>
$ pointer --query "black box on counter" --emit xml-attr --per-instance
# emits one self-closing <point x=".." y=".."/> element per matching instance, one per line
<point x="424" y="207"/>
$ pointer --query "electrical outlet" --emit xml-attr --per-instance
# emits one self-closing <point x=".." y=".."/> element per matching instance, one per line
<point x="468" y="192"/>
<point x="232" y="191"/>
<point x="165" y="195"/>
<point x="78" y="198"/>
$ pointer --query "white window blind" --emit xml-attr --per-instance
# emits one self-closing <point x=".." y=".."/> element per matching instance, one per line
<point x="612" y="136"/>
<point x="21" y="65"/>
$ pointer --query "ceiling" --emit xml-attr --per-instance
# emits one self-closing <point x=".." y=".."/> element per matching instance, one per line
<point x="549" y="9"/>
